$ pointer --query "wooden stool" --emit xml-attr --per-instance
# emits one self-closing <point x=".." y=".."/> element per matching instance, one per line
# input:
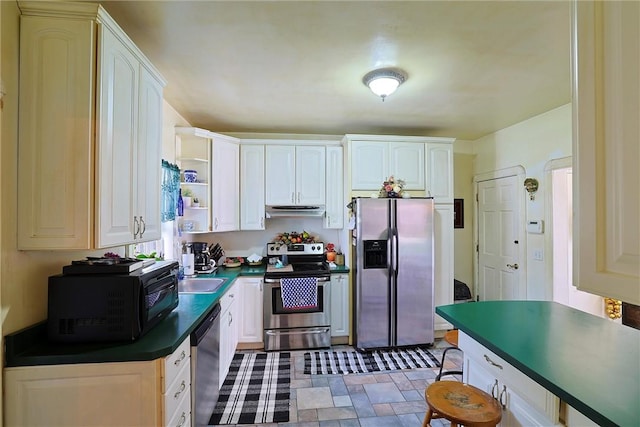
<point x="462" y="404"/>
<point x="452" y="338"/>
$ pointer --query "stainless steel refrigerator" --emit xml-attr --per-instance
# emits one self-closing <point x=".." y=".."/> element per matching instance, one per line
<point x="394" y="258"/>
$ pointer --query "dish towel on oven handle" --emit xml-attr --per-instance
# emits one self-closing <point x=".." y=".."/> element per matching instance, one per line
<point x="299" y="292"/>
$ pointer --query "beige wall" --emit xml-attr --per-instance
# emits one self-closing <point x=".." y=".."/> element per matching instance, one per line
<point x="530" y="144"/>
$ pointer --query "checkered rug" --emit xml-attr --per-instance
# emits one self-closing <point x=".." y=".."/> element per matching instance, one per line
<point x="255" y="391"/>
<point x="353" y="362"/>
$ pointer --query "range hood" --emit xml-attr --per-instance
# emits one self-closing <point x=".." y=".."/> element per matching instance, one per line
<point x="284" y="211"/>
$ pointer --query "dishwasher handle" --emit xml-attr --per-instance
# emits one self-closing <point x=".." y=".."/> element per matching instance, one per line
<point x="202" y="329"/>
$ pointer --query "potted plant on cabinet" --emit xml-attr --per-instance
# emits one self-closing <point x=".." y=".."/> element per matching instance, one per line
<point x="187" y="197"/>
<point x="195" y="202"/>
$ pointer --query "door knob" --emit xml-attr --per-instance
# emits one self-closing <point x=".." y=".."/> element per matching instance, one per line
<point x="514" y="266"/>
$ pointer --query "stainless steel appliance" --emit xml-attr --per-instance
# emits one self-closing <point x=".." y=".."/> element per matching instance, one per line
<point x="394" y="276"/>
<point x="301" y="327"/>
<point x="98" y="302"/>
<point x="205" y="355"/>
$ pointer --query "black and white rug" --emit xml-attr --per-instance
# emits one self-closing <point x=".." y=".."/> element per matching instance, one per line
<point x="353" y="362"/>
<point x="256" y="390"/>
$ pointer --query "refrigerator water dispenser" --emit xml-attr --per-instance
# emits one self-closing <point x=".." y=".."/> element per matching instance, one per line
<point x="375" y="254"/>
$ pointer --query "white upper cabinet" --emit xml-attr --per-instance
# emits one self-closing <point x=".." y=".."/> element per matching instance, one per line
<point x="369" y="165"/>
<point x="440" y="171"/>
<point x="606" y="91"/>
<point x="225" y="183"/>
<point x="295" y="175"/>
<point x="280" y="167"/>
<point x="406" y="160"/>
<point x="252" y="181"/>
<point x="335" y="208"/>
<point x="373" y="158"/>
<point x="89" y="137"/>
<point x="117" y="135"/>
<point x="149" y="155"/>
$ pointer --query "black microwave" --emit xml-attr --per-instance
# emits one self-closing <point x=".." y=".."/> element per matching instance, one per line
<point x="110" y="307"/>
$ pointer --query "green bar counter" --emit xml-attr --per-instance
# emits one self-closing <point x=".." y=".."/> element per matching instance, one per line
<point x="589" y="362"/>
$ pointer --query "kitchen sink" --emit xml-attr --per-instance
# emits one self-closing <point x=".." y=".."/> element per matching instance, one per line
<point x="197" y="285"/>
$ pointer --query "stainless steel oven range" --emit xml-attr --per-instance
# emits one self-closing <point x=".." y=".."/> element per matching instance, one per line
<point x="297" y="295"/>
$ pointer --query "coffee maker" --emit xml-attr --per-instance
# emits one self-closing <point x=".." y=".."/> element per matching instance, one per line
<point x="202" y="256"/>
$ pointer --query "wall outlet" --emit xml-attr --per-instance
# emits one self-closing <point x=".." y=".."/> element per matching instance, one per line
<point x="537" y="254"/>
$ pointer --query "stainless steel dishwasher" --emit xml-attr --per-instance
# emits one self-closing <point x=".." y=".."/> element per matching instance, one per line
<point x="205" y="352"/>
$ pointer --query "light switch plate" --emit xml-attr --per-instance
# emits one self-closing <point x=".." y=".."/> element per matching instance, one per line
<point x="537" y="254"/>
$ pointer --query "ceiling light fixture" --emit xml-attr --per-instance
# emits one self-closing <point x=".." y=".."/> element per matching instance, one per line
<point x="384" y="81"/>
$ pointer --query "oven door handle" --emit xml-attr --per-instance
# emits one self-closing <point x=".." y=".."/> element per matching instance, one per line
<point x="277" y="281"/>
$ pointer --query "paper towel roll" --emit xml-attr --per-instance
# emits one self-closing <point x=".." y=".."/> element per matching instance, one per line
<point x="188" y="263"/>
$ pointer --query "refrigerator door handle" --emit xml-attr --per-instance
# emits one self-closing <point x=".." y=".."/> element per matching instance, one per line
<point x="394" y="251"/>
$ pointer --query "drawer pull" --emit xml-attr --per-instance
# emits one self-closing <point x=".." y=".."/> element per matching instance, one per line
<point x="183" y="420"/>
<point x="183" y="355"/>
<point x="503" y="393"/>
<point x="183" y="386"/>
<point x="494" y="390"/>
<point x="491" y="362"/>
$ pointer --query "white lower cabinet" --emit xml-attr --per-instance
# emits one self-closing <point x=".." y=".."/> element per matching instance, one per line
<point x="228" y="330"/>
<point x="250" y="317"/>
<point x="149" y="393"/>
<point x="339" y="305"/>
<point x="524" y="402"/>
<point x="176" y="386"/>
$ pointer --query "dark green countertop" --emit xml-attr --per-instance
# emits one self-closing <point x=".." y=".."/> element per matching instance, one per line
<point x="589" y="362"/>
<point x="30" y="346"/>
<point x="340" y="269"/>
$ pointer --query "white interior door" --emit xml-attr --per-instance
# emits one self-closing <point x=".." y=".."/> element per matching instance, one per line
<point x="498" y="240"/>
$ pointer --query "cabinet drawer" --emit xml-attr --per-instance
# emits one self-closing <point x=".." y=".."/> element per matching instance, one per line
<point x="182" y="415"/>
<point x="177" y="391"/>
<point x="536" y="395"/>
<point x="228" y="298"/>
<point x="174" y="363"/>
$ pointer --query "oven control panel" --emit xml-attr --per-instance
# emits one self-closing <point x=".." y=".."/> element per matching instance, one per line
<point x="295" y="249"/>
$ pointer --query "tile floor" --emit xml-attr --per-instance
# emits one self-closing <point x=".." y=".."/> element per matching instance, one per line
<point x="381" y="399"/>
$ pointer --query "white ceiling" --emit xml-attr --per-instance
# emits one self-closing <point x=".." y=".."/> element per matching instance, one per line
<point x="474" y="67"/>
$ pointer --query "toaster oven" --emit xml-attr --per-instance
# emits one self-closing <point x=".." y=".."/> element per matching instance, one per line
<point x="101" y="307"/>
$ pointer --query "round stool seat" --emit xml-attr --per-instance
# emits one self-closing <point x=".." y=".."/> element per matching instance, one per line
<point x="461" y="404"/>
<point x="452" y="337"/>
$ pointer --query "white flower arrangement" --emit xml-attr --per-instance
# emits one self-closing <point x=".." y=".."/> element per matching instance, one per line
<point x="392" y="188"/>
